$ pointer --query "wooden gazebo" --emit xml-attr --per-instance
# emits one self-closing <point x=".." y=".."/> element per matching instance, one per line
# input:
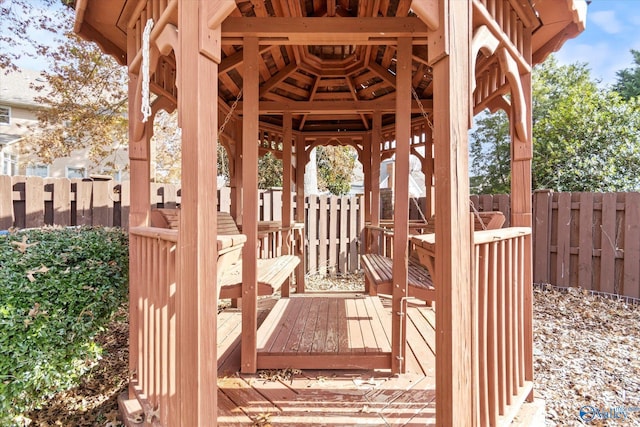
<point x="387" y="77"/>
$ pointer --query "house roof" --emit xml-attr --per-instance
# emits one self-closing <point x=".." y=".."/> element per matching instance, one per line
<point x="8" y="138"/>
<point x="16" y="88"/>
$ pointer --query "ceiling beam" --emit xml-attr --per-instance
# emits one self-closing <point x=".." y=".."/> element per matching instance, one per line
<point x="278" y="78"/>
<point x="336" y="107"/>
<point x="327" y="31"/>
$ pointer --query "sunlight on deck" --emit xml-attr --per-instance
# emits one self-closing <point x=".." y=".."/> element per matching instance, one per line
<point x="330" y="397"/>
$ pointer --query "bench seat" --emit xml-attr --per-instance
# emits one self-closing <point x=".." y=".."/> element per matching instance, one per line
<point x="378" y="272"/>
<point x="272" y="273"/>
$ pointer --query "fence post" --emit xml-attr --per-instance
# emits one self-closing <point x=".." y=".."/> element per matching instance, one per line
<point x="585" y="241"/>
<point x="631" y="283"/>
<point x="102" y="201"/>
<point x="125" y="204"/>
<point x="83" y="202"/>
<point x="6" y="202"/>
<point x="61" y="200"/>
<point x="541" y="235"/>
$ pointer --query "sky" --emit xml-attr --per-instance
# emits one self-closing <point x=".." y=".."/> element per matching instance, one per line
<point x="612" y="30"/>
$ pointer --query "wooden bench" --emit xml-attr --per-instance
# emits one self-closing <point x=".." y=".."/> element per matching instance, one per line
<point x="272" y="272"/>
<point x="378" y="269"/>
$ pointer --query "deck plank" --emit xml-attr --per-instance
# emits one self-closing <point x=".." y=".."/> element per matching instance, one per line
<point x="245" y="397"/>
<point x="323" y="396"/>
<point x="309" y="332"/>
<point x="370" y="344"/>
<point x="298" y="327"/>
<point x="282" y="332"/>
<point x="356" y="341"/>
<point x="229" y="414"/>
<point x="320" y="335"/>
<point x="418" y="334"/>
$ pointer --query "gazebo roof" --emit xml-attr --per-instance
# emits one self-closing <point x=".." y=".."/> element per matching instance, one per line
<point x="344" y="81"/>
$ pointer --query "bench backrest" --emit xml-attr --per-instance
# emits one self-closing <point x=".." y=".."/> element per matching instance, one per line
<point x="481" y="221"/>
<point x="488" y="220"/>
<point x="170" y="218"/>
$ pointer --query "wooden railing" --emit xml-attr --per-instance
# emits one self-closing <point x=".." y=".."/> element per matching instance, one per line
<point x="502" y="317"/>
<point x="503" y="320"/>
<point x="152" y="336"/>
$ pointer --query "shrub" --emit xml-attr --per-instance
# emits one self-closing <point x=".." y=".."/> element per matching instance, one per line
<point x="58" y="288"/>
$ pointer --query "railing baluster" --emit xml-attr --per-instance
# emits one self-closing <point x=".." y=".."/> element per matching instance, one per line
<point x="153" y="337"/>
<point x="501" y="311"/>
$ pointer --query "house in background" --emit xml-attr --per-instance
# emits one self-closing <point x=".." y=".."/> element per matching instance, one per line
<point x="18" y="117"/>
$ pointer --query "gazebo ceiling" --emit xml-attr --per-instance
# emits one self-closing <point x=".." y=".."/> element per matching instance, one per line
<point x="306" y="64"/>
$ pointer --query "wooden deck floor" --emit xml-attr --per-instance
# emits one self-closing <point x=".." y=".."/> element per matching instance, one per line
<point x="328" y="397"/>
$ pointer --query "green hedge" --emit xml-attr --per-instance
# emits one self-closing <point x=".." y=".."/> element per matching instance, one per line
<point x="58" y="288"/>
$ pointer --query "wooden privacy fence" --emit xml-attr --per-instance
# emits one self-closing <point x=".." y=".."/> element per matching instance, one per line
<point x="591" y="240"/>
<point x="333" y="225"/>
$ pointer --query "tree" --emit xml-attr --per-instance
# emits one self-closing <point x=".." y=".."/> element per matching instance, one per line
<point x="628" y="80"/>
<point x="490" y="154"/>
<point x="269" y="171"/>
<point x="27" y="27"/>
<point x="335" y="169"/>
<point x="584" y="138"/>
<point x="84" y="104"/>
<point x="167" y="144"/>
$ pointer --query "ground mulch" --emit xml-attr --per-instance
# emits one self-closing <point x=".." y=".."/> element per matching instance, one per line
<point x="587" y="353"/>
<point x="94" y="401"/>
<point x="587" y="356"/>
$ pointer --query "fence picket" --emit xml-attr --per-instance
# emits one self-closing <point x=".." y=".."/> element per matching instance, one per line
<point x="631" y="285"/>
<point x="334" y="223"/>
<point x="60" y="201"/>
<point x="312" y="232"/>
<point x="585" y="241"/>
<point x="542" y="237"/>
<point x="353" y="234"/>
<point x="563" y="244"/>
<point x="83" y="214"/>
<point x="608" y="243"/>
<point x="6" y="202"/>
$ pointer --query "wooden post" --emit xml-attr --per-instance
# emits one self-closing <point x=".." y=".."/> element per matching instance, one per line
<point x="287" y="150"/>
<point x="197" y="297"/>
<point x="376" y="140"/>
<point x="521" y="209"/>
<point x="139" y="206"/>
<point x="401" y="206"/>
<point x="250" y="206"/>
<point x="366" y="169"/>
<point x="236" y="182"/>
<point x="450" y="56"/>
<point x="428" y="170"/>
<point x="301" y="163"/>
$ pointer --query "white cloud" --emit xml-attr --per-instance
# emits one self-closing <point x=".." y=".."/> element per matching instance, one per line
<point x="606" y="20"/>
<point x="602" y="59"/>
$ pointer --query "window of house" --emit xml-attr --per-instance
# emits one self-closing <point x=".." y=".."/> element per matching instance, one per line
<point x="9" y="164"/>
<point x="73" y="172"/>
<point x="38" y="170"/>
<point x="5" y="115"/>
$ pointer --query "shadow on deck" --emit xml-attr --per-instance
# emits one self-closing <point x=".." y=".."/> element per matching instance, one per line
<point x="328" y="397"/>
